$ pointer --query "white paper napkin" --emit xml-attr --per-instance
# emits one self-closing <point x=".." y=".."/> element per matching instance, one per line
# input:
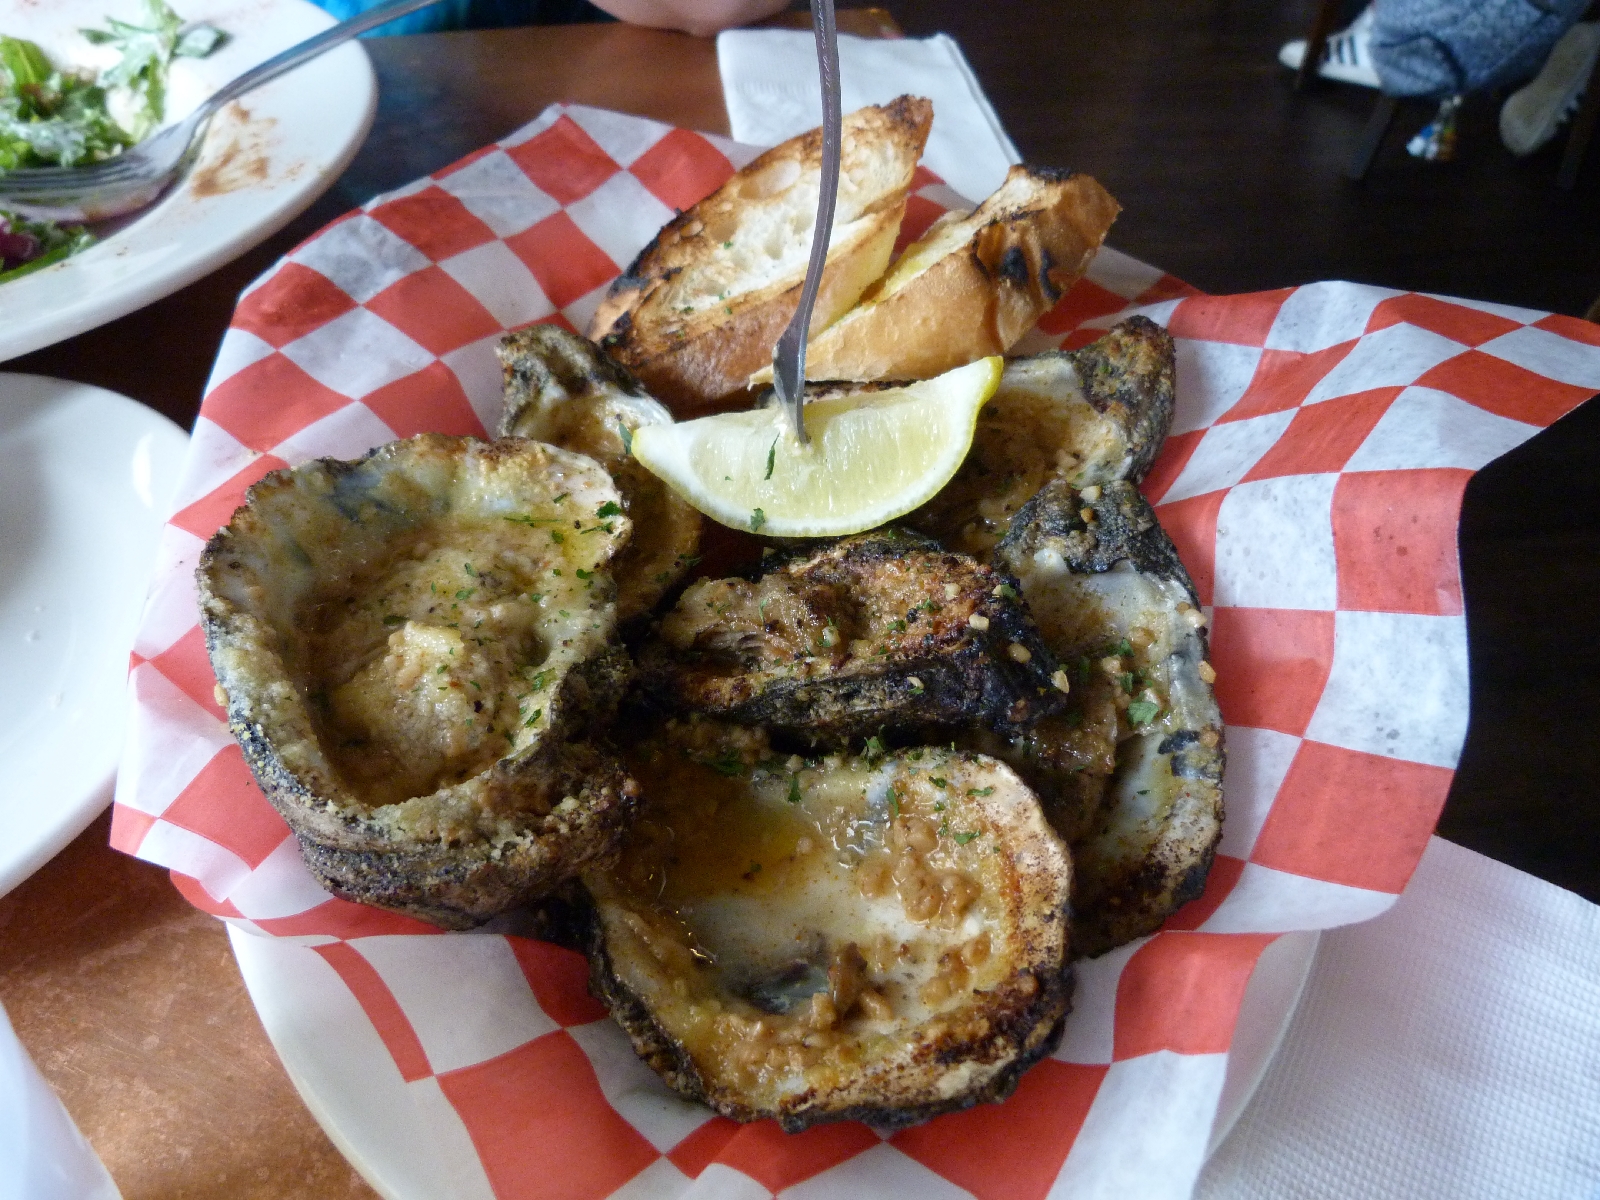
<point x="1449" y="1048"/>
<point x="770" y="83"/>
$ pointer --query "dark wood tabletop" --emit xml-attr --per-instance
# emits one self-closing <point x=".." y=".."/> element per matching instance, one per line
<point x="129" y="999"/>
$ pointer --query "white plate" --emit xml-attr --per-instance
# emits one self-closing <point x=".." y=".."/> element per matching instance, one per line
<point x="86" y="477"/>
<point x="255" y="173"/>
<point x="378" y="1121"/>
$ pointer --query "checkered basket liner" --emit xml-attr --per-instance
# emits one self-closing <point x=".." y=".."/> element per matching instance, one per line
<point x="1313" y="480"/>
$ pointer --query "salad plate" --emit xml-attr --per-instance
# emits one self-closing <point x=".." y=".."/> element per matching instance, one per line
<point x="86" y="478"/>
<point x="266" y="157"/>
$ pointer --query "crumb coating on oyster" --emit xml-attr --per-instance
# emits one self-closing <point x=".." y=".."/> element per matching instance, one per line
<point x="410" y="645"/>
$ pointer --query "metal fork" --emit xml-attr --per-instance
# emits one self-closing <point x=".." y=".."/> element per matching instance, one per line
<point x="789" y="355"/>
<point x="139" y="175"/>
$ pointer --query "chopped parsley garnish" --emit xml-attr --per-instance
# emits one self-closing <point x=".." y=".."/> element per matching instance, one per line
<point x="772" y="458"/>
<point x="794" y="796"/>
<point x="557" y="536"/>
<point x="467" y="567"/>
<point x="1142" y="712"/>
<point x="609" y="509"/>
<point x="938" y="781"/>
<point x="394" y="619"/>
<point x="582" y="574"/>
<point x="727" y="763"/>
<point x="532" y="717"/>
<point x="988" y="791"/>
<point x="626" y="435"/>
<point x="757" y="520"/>
<point x="961" y="839"/>
<point x="465" y="593"/>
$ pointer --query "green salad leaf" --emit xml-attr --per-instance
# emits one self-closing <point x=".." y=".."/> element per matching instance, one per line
<point x="55" y="118"/>
<point x="50" y="244"/>
<point x="147" y="51"/>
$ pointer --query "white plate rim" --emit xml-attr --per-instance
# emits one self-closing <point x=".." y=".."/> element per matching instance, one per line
<point x="348" y="1117"/>
<point x="309" y="126"/>
<point x="75" y="809"/>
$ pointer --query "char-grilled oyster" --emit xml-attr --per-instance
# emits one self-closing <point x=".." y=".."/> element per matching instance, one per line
<point x="1084" y="416"/>
<point x="880" y="630"/>
<point x="882" y="939"/>
<point x="560" y="389"/>
<point x="1131" y="771"/>
<point x="410" y="646"/>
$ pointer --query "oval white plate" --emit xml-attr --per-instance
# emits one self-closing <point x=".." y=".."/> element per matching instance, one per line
<point x="86" y="477"/>
<point x="256" y="172"/>
<point x="382" y="1124"/>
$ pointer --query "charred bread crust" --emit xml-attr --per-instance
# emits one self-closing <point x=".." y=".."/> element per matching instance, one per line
<point x="971" y="287"/>
<point x="693" y="319"/>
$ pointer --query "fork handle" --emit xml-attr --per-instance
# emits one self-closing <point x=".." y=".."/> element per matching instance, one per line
<point x="302" y="51"/>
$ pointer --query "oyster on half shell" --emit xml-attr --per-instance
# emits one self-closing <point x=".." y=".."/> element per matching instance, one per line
<point x="410" y="646"/>
<point x="559" y="388"/>
<point x="1131" y="774"/>
<point x="875" y="938"/>
<point x="1085" y="416"/>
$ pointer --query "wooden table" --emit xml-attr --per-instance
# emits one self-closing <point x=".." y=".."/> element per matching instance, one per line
<point x="129" y="1000"/>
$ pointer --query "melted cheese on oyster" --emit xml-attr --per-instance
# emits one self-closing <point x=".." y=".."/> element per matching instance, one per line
<point x="428" y="612"/>
<point x="436" y="666"/>
<point x="790" y="922"/>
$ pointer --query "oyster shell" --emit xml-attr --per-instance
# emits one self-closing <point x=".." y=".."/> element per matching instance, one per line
<point x="881" y="939"/>
<point x="409" y="645"/>
<point x="562" y="390"/>
<point x="828" y="643"/>
<point x="1085" y="416"/>
<point x="1131" y="773"/>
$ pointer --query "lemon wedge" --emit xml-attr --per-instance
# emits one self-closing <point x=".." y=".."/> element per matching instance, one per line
<point x="873" y="456"/>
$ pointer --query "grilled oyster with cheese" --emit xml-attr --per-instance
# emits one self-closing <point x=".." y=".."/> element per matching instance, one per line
<point x="560" y="389"/>
<point x="883" y="629"/>
<point x="1131" y="772"/>
<point x="1086" y="416"/>
<point x="410" y="646"/>
<point x="881" y="939"/>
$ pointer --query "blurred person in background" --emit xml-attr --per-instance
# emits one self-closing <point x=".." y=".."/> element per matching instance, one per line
<point x="699" y="17"/>
<point x="1446" y="49"/>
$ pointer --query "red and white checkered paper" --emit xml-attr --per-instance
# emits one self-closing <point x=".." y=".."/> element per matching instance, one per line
<point x="1313" y="480"/>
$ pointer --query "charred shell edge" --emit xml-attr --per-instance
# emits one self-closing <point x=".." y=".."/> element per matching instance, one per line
<point x="545" y="360"/>
<point x="1171" y="875"/>
<point x="982" y="674"/>
<point x="456" y="886"/>
<point x="1128" y="378"/>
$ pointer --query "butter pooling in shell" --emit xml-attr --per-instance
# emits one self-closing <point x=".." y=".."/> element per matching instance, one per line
<point x="411" y="647"/>
<point x="877" y="937"/>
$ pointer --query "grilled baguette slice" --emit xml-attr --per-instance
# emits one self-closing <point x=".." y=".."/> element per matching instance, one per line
<point x="701" y="307"/>
<point x="973" y="285"/>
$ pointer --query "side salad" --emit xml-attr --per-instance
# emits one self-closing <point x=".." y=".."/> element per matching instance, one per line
<point x="53" y="117"/>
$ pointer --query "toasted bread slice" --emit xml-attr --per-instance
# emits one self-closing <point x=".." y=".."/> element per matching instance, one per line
<point x="973" y="285"/>
<point x="701" y="307"/>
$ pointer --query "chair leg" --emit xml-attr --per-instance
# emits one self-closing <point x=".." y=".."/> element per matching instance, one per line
<point x="1582" y="130"/>
<point x="1316" y="42"/>
<point x="1372" y="137"/>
